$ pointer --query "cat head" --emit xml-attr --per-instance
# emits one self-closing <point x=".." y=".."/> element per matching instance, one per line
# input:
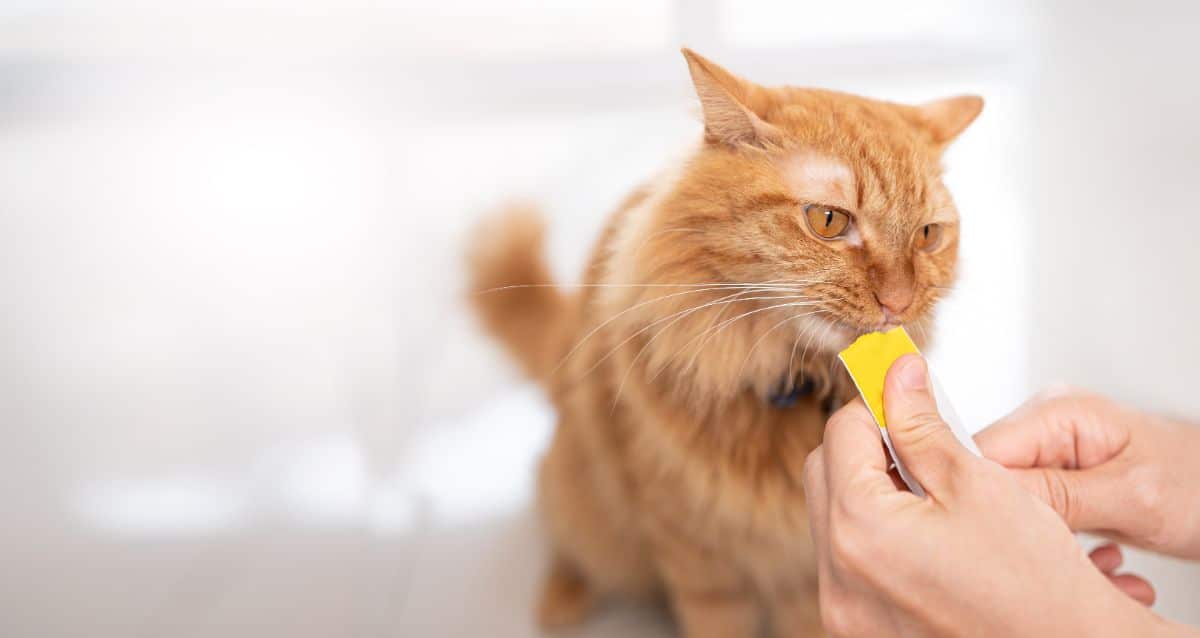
<point x="830" y="202"/>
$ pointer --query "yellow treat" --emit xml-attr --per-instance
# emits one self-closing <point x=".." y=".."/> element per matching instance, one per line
<point x="868" y="360"/>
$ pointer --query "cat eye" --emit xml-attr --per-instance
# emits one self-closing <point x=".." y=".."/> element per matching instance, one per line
<point x="826" y="221"/>
<point x="929" y="238"/>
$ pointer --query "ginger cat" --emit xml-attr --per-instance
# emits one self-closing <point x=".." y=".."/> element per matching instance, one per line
<point x="694" y="369"/>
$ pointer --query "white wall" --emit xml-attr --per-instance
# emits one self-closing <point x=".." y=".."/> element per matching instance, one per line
<point x="1114" y="231"/>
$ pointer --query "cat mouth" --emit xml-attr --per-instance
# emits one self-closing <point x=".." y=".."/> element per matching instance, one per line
<point x="855" y="329"/>
<point x="831" y="333"/>
<point x="834" y="332"/>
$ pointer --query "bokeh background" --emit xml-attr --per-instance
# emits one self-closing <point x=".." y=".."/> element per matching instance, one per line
<point x="239" y="394"/>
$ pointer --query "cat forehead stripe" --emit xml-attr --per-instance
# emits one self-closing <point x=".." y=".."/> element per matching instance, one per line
<point x="816" y="177"/>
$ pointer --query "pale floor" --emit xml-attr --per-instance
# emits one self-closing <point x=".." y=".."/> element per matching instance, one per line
<point x="446" y="545"/>
<point x="468" y="582"/>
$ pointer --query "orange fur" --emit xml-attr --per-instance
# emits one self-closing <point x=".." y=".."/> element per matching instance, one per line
<point x="506" y="257"/>
<point x="669" y="473"/>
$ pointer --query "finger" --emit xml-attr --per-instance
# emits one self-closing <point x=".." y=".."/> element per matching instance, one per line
<point x="1107" y="557"/>
<point x="1087" y="500"/>
<point x="1057" y="429"/>
<point x="924" y="442"/>
<point x="1021" y="438"/>
<point x="1135" y="587"/>
<point x="854" y="452"/>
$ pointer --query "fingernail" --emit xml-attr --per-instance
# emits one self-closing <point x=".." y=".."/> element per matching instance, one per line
<point x="912" y="373"/>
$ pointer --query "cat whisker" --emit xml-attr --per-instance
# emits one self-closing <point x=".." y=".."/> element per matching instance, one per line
<point x="803" y="355"/>
<point x="651" y="340"/>
<point x="920" y="326"/>
<point x="715" y="318"/>
<point x="773" y="286"/>
<point x="768" y="286"/>
<point x="791" y="374"/>
<point x="713" y="332"/>
<point x="679" y="285"/>
<point x="824" y="334"/>
<point x="764" y="335"/>
<point x="685" y="346"/>
<point x="832" y="366"/>
<point x="677" y="316"/>
<point x="655" y="375"/>
<point x="613" y="318"/>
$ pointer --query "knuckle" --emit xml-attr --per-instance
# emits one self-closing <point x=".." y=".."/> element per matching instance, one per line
<point x="931" y="421"/>
<point x="924" y="429"/>
<point x="1061" y="436"/>
<point x="1059" y="496"/>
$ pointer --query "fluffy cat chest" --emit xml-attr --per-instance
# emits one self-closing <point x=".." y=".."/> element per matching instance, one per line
<point x="739" y="471"/>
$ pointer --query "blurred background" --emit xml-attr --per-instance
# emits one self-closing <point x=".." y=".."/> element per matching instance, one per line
<point x="239" y="393"/>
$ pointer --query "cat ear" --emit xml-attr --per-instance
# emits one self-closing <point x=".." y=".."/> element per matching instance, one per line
<point x="723" y="95"/>
<point x="946" y="119"/>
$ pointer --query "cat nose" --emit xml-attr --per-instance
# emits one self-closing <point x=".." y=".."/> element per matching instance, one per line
<point x="894" y="301"/>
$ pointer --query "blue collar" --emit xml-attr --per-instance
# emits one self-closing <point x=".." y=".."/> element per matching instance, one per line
<point x="789" y="393"/>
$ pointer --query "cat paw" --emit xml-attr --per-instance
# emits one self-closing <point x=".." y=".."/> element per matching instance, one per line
<point x="566" y="598"/>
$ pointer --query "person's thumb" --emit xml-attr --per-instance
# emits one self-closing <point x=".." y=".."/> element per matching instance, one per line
<point x="924" y="442"/>
<point x="1085" y="499"/>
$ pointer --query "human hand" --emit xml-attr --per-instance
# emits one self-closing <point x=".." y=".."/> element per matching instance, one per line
<point x="1106" y="468"/>
<point x="978" y="555"/>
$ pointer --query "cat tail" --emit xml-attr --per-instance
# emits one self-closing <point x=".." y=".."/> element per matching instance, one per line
<point x="512" y="290"/>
